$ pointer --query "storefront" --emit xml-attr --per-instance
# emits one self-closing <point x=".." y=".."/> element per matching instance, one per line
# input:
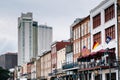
<point x="98" y="65"/>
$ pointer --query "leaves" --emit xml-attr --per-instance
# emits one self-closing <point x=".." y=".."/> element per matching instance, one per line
<point x="4" y="74"/>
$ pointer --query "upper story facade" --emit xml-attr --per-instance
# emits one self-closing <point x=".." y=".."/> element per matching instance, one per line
<point x="81" y="37"/>
<point x="56" y="46"/>
<point x="103" y="25"/>
<point x="45" y="64"/>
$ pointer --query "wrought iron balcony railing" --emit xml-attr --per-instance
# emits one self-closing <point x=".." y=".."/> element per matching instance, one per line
<point x="70" y="65"/>
<point x="85" y="65"/>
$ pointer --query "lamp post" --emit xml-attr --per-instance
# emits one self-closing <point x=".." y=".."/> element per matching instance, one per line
<point x="109" y="62"/>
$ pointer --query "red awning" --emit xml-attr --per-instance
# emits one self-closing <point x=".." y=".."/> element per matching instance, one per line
<point x="94" y="55"/>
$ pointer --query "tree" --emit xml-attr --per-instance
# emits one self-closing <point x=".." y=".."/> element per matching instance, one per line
<point x="4" y="74"/>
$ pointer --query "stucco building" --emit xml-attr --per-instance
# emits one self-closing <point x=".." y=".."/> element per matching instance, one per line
<point x="45" y="65"/>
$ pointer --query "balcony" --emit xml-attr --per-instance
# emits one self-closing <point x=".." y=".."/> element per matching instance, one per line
<point x="97" y="65"/>
<point x="69" y="65"/>
<point x="42" y="77"/>
<point x="50" y="74"/>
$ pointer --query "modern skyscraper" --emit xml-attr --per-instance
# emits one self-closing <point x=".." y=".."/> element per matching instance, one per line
<point x="26" y="28"/>
<point x="32" y="39"/>
<point x="44" y="38"/>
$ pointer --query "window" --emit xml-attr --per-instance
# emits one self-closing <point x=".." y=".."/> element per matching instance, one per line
<point x="74" y="48"/>
<point x="96" y="20"/>
<point x="110" y="32"/>
<point x="98" y="77"/>
<point x="113" y="76"/>
<point x="109" y="13"/>
<point x="82" y="29"/>
<point x="89" y="43"/>
<point x="97" y="37"/>
<point x="79" y="46"/>
<point x="89" y="27"/>
<point x="74" y="34"/>
<point x="83" y="43"/>
<point x="112" y="56"/>
<point x="77" y="30"/>
<point x="87" y="31"/>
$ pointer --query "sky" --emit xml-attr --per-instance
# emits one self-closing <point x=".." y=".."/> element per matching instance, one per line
<point x="59" y="14"/>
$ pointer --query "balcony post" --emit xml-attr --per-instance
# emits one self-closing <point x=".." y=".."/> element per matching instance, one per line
<point x="109" y="61"/>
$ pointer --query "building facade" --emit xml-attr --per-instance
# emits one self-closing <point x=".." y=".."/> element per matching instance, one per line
<point x="104" y="25"/>
<point x="25" y="38"/>
<point x="8" y="60"/>
<point x="60" y="60"/>
<point x="56" y="46"/>
<point x="60" y="57"/>
<point x="33" y="71"/>
<point x="32" y="39"/>
<point x="100" y="64"/>
<point x="38" y="68"/>
<point x="81" y="37"/>
<point x="44" y="38"/>
<point x="45" y="65"/>
<point x="68" y="66"/>
<point x="81" y="46"/>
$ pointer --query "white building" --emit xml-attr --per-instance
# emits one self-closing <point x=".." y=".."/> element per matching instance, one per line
<point x="103" y="24"/>
<point x="25" y="38"/>
<point x="44" y="38"/>
<point x="60" y="58"/>
<point x="32" y="39"/>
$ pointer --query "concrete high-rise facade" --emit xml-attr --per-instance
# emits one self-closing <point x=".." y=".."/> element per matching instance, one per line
<point x="32" y="39"/>
<point x="44" y="38"/>
<point x="26" y="29"/>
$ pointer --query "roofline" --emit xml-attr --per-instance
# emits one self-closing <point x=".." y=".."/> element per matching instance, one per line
<point x="99" y="5"/>
<point x="81" y="21"/>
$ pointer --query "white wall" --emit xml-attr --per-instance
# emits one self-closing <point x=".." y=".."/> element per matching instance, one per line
<point x="44" y="38"/>
<point x="103" y="26"/>
<point x="60" y="57"/>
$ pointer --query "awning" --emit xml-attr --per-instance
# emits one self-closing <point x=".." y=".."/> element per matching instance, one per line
<point x="92" y="55"/>
<point x="86" y="57"/>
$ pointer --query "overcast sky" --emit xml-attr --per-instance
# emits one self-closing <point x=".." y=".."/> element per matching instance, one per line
<point x="58" y="14"/>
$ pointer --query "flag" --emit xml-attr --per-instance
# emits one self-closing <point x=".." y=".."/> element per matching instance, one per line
<point x="85" y="51"/>
<point x="95" y="45"/>
<point x="84" y="47"/>
<point x="108" y="39"/>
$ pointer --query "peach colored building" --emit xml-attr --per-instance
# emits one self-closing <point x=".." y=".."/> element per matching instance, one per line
<point x="33" y="71"/>
<point x="46" y="65"/>
<point x="38" y="68"/>
<point x="24" y="71"/>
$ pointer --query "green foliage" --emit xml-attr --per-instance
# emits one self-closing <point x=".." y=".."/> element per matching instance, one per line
<point x="4" y="74"/>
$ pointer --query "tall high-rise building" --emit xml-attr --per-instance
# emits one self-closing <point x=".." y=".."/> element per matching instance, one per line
<point x="26" y="30"/>
<point x="32" y="39"/>
<point x="44" y="38"/>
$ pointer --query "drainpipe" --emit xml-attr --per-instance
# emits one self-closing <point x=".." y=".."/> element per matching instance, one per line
<point x="118" y="7"/>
